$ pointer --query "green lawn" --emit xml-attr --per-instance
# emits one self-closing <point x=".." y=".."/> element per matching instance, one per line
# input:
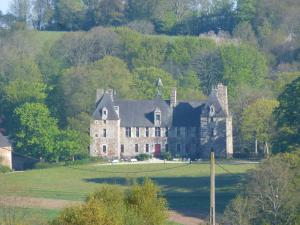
<point x="27" y="216"/>
<point x="185" y="186"/>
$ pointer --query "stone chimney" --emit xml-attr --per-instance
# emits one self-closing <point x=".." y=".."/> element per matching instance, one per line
<point x="99" y="94"/>
<point x="111" y="93"/>
<point x="221" y="93"/>
<point x="173" y="99"/>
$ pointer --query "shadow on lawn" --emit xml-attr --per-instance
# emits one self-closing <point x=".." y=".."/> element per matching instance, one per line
<point x="187" y="195"/>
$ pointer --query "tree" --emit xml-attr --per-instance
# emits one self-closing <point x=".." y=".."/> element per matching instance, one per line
<point x="287" y="116"/>
<point x="72" y="144"/>
<point x="145" y="80"/>
<point x="141" y="9"/>
<point x="84" y="48"/>
<point x="147" y="204"/>
<point x="43" y="11"/>
<point x="244" y="32"/>
<point x="69" y="14"/>
<point x="238" y="212"/>
<point x="273" y="193"/>
<point x="258" y="123"/>
<point x="209" y="68"/>
<point x="243" y="65"/>
<point x="246" y="10"/>
<point x="78" y="85"/>
<point x="36" y="131"/>
<point x="21" y="91"/>
<point x="140" y="205"/>
<point x="269" y="195"/>
<point x="21" y="10"/>
<point x="112" y="12"/>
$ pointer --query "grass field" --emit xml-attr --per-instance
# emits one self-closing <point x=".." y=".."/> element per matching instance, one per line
<point x="185" y="186"/>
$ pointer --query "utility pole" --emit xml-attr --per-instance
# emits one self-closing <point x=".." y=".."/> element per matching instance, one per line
<point x="212" y="217"/>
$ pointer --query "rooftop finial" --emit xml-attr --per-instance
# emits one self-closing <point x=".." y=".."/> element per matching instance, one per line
<point x="159" y="86"/>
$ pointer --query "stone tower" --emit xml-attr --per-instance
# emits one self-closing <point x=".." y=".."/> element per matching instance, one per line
<point x="216" y="124"/>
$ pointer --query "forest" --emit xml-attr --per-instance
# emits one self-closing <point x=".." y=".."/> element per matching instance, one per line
<point x="56" y="53"/>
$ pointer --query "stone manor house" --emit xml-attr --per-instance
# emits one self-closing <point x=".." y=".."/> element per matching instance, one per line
<point x="127" y="128"/>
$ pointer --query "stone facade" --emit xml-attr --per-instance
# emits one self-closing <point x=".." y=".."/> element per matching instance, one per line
<point x="127" y="128"/>
<point x="5" y="152"/>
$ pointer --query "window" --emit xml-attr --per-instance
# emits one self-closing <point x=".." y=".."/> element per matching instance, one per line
<point x="147" y="147"/>
<point x="157" y="131"/>
<point x="178" y="147"/>
<point x="166" y="147"/>
<point x="136" y="148"/>
<point x="211" y="119"/>
<point x="104" y="113"/>
<point x="104" y="132"/>
<point x="137" y="131"/>
<point x="104" y="121"/>
<point x="187" y="148"/>
<point x="211" y="111"/>
<point x="128" y="131"/>
<point x="122" y="149"/>
<point x="214" y="132"/>
<point x="167" y="132"/>
<point x="147" y="132"/>
<point x="178" y="131"/>
<point x="104" y="149"/>
<point x="157" y="117"/>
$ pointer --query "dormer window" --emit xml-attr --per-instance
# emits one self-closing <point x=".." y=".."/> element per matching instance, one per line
<point x="157" y="117"/>
<point x="104" y="113"/>
<point x="117" y="109"/>
<point x="211" y="111"/>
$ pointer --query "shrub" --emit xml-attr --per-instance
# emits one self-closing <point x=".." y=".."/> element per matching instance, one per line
<point x="140" y="205"/>
<point x="4" y="169"/>
<point x="166" y="156"/>
<point x="143" y="157"/>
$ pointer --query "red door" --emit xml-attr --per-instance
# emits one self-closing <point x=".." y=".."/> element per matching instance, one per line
<point x="157" y="150"/>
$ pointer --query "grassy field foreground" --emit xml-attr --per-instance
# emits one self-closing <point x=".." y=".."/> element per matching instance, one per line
<point x="186" y="186"/>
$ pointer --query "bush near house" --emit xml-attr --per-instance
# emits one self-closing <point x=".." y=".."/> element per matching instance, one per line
<point x="4" y="169"/>
<point x="143" y="157"/>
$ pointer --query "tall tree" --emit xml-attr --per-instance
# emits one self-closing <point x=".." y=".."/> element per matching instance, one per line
<point x="37" y="131"/>
<point x="287" y="116"/>
<point x="112" y="12"/>
<point x="43" y="11"/>
<point x="141" y="9"/>
<point x="69" y="14"/>
<point x="270" y="195"/>
<point x="21" y="10"/>
<point x="145" y="80"/>
<point x="258" y="123"/>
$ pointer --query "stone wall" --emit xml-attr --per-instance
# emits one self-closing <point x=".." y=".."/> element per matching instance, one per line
<point x="213" y="136"/>
<point x="111" y="142"/>
<point x="6" y="156"/>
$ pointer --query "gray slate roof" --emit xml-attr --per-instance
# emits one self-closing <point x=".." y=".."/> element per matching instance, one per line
<point x="140" y="113"/>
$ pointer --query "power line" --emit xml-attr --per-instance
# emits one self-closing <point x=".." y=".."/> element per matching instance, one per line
<point x="227" y="171"/>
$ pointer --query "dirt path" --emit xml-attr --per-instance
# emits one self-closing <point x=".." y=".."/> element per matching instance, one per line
<point x="29" y="202"/>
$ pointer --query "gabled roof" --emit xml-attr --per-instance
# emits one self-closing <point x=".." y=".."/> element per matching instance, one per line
<point x="105" y="101"/>
<point x="213" y="100"/>
<point x="140" y="113"/>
